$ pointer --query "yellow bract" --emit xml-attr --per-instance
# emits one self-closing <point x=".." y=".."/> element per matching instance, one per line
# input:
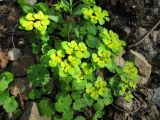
<point x="37" y="24"/>
<point x="97" y="90"/>
<point x="29" y="16"/>
<point x="35" y="20"/>
<point x="69" y="58"/>
<point x="95" y="14"/>
<point x="69" y="51"/>
<point x="39" y="15"/>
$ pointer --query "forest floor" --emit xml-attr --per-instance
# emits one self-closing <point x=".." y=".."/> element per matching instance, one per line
<point x="131" y="19"/>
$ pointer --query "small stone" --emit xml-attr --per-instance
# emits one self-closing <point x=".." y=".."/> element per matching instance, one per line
<point x="14" y="54"/>
<point x="31" y="113"/>
<point x="127" y="30"/>
<point x="156" y="97"/>
<point x="19" y="67"/>
<point x="122" y="116"/>
<point x="155" y="10"/>
<point x="143" y="66"/>
<point x="149" y="50"/>
<point x="155" y="35"/>
<point x="132" y="106"/>
<point x="1" y="35"/>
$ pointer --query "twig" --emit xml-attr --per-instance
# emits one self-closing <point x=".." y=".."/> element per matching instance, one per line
<point x="120" y="109"/>
<point x="131" y="46"/>
<point x="13" y="35"/>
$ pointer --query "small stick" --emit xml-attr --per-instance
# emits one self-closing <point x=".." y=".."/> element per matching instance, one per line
<point x="131" y="46"/>
<point x="13" y="35"/>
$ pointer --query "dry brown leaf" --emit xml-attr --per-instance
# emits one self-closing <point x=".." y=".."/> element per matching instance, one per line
<point x="119" y="60"/>
<point x="3" y="59"/>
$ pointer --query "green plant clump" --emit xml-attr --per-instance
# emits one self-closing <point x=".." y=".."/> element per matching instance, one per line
<point x="76" y="60"/>
<point x="8" y="102"/>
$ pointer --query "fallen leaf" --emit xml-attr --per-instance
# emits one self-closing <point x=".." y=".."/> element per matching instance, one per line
<point x="3" y="59"/>
<point x="119" y="60"/>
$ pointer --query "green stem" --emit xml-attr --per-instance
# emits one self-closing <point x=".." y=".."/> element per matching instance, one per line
<point x="37" y="37"/>
<point x="77" y="2"/>
<point x="70" y="19"/>
<point x="68" y="30"/>
<point x="59" y="28"/>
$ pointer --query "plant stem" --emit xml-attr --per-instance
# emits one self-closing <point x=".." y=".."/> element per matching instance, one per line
<point x="68" y="30"/>
<point x="70" y="18"/>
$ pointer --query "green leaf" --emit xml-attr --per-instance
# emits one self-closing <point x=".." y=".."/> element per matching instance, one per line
<point x="80" y="118"/>
<point x="108" y="100"/>
<point x="63" y="103"/>
<point x="82" y="30"/>
<point x="86" y="54"/>
<point x="10" y="104"/>
<point x="106" y="93"/>
<point x="89" y="1"/>
<point x="65" y="45"/>
<point x="92" y="41"/>
<point x="45" y="48"/>
<point x="5" y="79"/>
<point x="53" y="17"/>
<point x="44" y="37"/>
<point x="78" y="85"/>
<point x="41" y="7"/>
<point x="68" y="115"/>
<point x="99" y="105"/>
<point x="44" y="60"/>
<point x="82" y="103"/>
<point x="46" y="108"/>
<point x="79" y="104"/>
<point x="34" y="94"/>
<point x="76" y="30"/>
<point x="63" y="4"/>
<point x="35" y="48"/>
<point x="91" y="28"/>
<point x="128" y="96"/>
<point x="3" y="97"/>
<point x="27" y="8"/>
<point x="98" y="114"/>
<point x="76" y="95"/>
<point x="38" y="75"/>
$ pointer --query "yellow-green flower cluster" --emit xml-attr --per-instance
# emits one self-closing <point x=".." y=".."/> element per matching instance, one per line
<point x="79" y="50"/>
<point x="38" y="20"/>
<point x="86" y="71"/>
<point x="129" y="68"/>
<point x="96" y="15"/>
<point x="130" y="74"/>
<point x="99" y="89"/>
<point x="128" y="97"/>
<point x="102" y="58"/>
<point x="69" y="58"/>
<point x="112" y="41"/>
